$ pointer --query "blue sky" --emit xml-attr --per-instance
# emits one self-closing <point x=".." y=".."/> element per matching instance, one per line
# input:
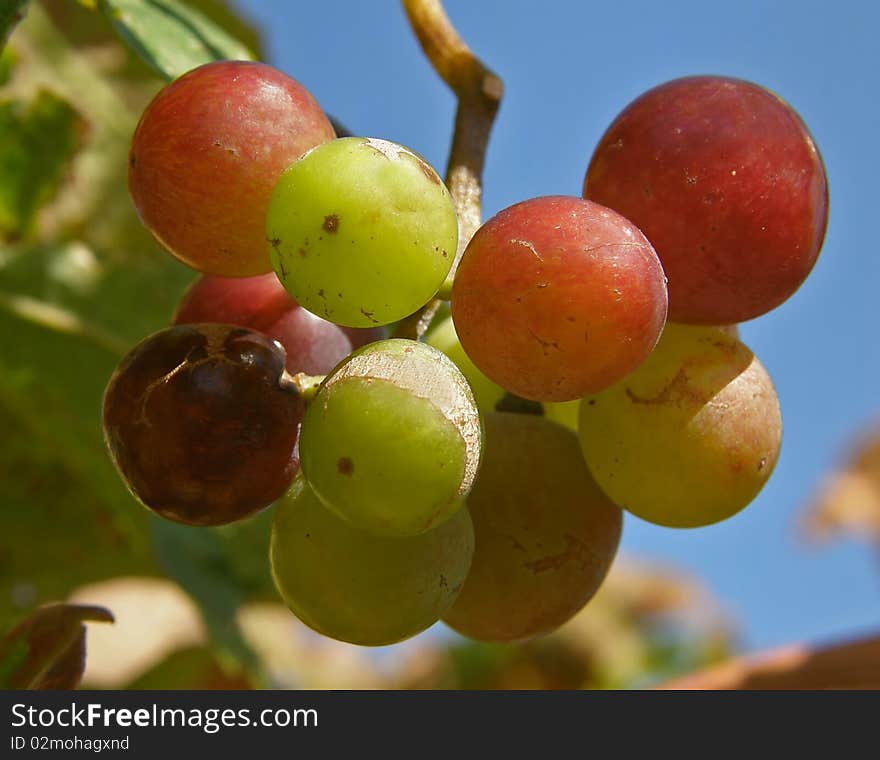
<point x="569" y="67"/>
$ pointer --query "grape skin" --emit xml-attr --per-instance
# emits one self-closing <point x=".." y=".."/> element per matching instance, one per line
<point x="361" y="231"/>
<point x="726" y="182"/>
<point x="206" y="154"/>
<point x="690" y="437"/>
<point x="545" y="534"/>
<point x="558" y="297"/>
<point x="312" y="344"/>
<point x="200" y="425"/>
<point x="486" y="393"/>
<point x="392" y="440"/>
<point x="360" y="588"/>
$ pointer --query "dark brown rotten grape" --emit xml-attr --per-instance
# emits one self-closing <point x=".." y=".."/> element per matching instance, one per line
<point x="313" y="345"/>
<point x="202" y="423"/>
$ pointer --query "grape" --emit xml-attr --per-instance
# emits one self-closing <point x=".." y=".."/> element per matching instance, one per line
<point x="207" y="153"/>
<point x="361" y="588"/>
<point x="557" y="297"/>
<point x="486" y="393"/>
<point x="691" y="436"/>
<point x="566" y="414"/>
<point x="361" y="231"/>
<point x="545" y="534"/>
<point x="392" y="440"/>
<point x="313" y="345"/>
<point x="726" y="182"/>
<point x="201" y="424"/>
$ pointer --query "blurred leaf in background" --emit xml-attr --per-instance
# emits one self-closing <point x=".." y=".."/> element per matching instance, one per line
<point x="81" y="281"/>
<point x="847" y="502"/>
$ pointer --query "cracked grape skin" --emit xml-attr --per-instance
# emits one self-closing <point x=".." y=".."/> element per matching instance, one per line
<point x="726" y="182"/>
<point x="545" y="533"/>
<point x="206" y="154"/>
<point x="361" y="231"/>
<point x="200" y="424"/>
<point x="392" y="440"/>
<point x="690" y="437"/>
<point x="360" y="588"/>
<point x="557" y="297"/>
<point x="313" y="345"/>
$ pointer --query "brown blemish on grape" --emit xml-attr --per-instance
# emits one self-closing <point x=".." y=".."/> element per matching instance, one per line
<point x="274" y="242"/>
<point x="762" y="463"/>
<point x="428" y="171"/>
<point x="574" y="551"/>
<point x="546" y="345"/>
<point x="132" y="161"/>
<point x="369" y="315"/>
<point x="323" y="297"/>
<point x="344" y="466"/>
<point x="675" y="391"/>
<point x="302" y="252"/>
<point x="331" y="223"/>
<point x="530" y="246"/>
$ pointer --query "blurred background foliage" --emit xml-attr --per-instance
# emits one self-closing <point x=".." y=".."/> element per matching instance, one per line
<point x="80" y="282"/>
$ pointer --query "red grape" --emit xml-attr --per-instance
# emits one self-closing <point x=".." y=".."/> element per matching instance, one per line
<point x="201" y="425"/>
<point x="558" y="297"/>
<point x="313" y="345"/>
<point x="208" y="151"/>
<point x="726" y="182"/>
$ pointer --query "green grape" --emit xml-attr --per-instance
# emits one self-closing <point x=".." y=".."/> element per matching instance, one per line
<point x="392" y="440"/>
<point x="545" y="533"/>
<point x="361" y="232"/>
<point x="691" y="436"/>
<point x="565" y="413"/>
<point x="487" y="393"/>
<point x="360" y="588"/>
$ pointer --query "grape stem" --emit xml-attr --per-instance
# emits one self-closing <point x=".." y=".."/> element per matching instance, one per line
<point x="479" y="92"/>
<point x="305" y="386"/>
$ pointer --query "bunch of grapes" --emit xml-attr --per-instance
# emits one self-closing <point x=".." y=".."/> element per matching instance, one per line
<point x="477" y="476"/>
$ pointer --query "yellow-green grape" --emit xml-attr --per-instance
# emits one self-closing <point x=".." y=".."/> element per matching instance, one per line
<point x="487" y="393"/>
<point x="361" y="231"/>
<point x="565" y="413"/>
<point x="392" y="440"/>
<point x="360" y="588"/>
<point x="691" y="436"/>
<point x="545" y="533"/>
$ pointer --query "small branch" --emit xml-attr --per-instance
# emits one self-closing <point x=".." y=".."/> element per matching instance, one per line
<point x="852" y="665"/>
<point x="305" y="386"/>
<point x="479" y="93"/>
<point x="510" y="402"/>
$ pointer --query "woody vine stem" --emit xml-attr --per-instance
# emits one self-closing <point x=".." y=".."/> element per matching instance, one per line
<point x="479" y="92"/>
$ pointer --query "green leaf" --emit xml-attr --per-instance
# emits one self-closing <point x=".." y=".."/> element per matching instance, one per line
<point x="37" y="143"/>
<point x="199" y="560"/>
<point x="11" y="12"/>
<point x="170" y="36"/>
